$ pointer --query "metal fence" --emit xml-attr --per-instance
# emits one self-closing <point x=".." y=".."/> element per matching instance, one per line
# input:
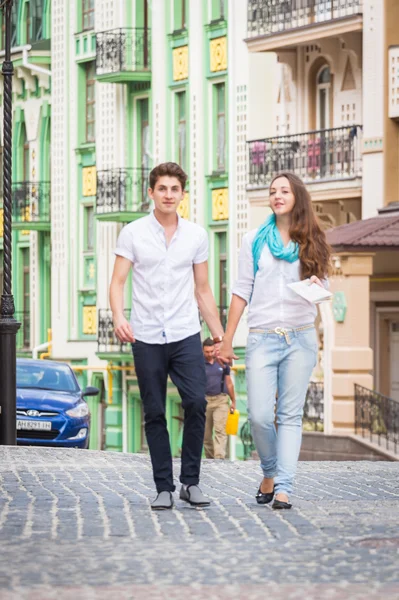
<point x="377" y="417"/>
<point x="106" y="338"/>
<point x="313" y="417"/>
<point x="31" y="201"/>
<point x="122" y="190"/>
<point x="267" y="17"/>
<point x="326" y="154"/>
<point x="123" y="50"/>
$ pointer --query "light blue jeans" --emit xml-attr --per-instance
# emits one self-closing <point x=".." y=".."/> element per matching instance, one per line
<point x="275" y="366"/>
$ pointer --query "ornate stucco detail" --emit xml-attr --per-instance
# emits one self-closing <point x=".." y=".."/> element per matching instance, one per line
<point x="184" y="207"/>
<point x="89" y="175"/>
<point x="89" y="320"/>
<point x="220" y="204"/>
<point x="180" y="63"/>
<point x="218" y="54"/>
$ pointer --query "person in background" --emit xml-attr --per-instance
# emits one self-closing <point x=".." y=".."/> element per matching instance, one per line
<point x="282" y="345"/>
<point x="219" y="387"/>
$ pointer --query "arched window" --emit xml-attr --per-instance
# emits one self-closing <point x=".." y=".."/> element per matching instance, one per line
<point x="36" y="18"/>
<point x="323" y="93"/>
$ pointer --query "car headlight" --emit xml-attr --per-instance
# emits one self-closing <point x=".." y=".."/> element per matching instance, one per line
<point x="79" y="411"/>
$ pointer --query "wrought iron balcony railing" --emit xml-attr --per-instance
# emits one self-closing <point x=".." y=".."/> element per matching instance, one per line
<point x="268" y="17"/>
<point x="313" y="417"/>
<point x="123" y="54"/>
<point x="377" y="417"/>
<point x="23" y="334"/>
<point x="327" y="154"/>
<point x="31" y="205"/>
<point x="122" y="194"/>
<point x="107" y="342"/>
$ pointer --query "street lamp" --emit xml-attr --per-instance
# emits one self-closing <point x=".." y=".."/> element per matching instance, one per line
<point x="8" y="325"/>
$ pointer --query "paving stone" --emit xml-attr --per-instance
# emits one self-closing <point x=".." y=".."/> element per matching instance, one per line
<point x="79" y="523"/>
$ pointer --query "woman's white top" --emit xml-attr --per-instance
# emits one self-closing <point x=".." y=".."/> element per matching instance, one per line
<point x="271" y="302"/>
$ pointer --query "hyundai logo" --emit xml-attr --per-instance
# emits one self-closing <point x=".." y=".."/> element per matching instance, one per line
<point x="33" y="413"/>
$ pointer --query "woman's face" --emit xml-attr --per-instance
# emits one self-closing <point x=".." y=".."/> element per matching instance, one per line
<point x="282" y="199"/>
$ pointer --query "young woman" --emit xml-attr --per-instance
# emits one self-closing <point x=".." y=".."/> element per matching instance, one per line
<point x="282" y="343"/>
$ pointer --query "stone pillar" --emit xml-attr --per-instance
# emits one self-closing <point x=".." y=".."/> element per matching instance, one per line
<point x="352" y="357"/>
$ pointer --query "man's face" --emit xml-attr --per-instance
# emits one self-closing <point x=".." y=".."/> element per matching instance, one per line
<point x="209" y="353"/>
<point x="167" y="194"/>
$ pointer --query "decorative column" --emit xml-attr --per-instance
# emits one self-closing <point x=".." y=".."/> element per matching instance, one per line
<point x="352" y="357"/>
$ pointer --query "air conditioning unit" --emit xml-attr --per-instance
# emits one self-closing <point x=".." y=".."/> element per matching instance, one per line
<point x="393" y="79"/>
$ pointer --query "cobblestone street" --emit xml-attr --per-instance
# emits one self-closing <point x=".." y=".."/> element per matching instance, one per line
<point x="78" y="523"/>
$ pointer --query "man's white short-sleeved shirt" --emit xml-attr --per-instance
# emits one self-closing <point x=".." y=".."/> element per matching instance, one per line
<point x="164" y="308"/>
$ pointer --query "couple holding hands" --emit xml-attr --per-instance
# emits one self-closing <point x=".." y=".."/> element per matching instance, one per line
<point x="168" y="256"/>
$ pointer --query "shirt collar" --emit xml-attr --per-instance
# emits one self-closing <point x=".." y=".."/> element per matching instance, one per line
<point x="155" y="223"/>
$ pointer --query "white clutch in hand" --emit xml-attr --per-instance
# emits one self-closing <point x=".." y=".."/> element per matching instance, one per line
<point x="310" y="291"/>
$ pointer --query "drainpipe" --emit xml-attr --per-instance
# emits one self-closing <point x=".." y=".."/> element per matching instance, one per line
<point x="30" y="66"/>
<point x="124" y="412"/>
<point x="329" y="342"/>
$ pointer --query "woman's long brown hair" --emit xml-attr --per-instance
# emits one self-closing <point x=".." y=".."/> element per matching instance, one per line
<point x="314" y="251"/>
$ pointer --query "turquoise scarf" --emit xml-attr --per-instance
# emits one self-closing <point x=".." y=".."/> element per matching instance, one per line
<point x="270" y="235"/>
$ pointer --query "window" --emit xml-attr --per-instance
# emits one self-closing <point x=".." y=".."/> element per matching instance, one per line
<point x="218" y="10"/>
<point x="25" y="165"/>
<point x="36" y="19"/>
<point x="181" y="129"/>
<point x="221" y="239"/>
<point x="89" y="221"/>
<point x="25" y="297"/>
<point x="220" y="127"/>
<point x="28" y="23"/>
<point x="14" y="23"/>
<point x="323" y="98"/>
<point x="87" y="14"/>
<point x="180" y="14"/>
<point x="90" y="102"/>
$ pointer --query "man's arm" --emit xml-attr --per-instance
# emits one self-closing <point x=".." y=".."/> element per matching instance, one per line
<point x="206" y="301"/>
<point x="123" y="330"/>
<point x="230" y="391"/>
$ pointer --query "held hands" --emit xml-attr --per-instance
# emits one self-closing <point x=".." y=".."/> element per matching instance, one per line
<point x="224" y="353"/>
<point x="123" y="330"/>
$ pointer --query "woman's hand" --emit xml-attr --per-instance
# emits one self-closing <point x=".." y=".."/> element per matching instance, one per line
<point x="123" y="330"/>
<point x="316" y="280"/>
<point x="225" y="355"/>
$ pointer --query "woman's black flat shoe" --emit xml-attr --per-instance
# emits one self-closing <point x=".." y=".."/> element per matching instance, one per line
<point x="278" y="504"/>
<point x="262" y="498"/>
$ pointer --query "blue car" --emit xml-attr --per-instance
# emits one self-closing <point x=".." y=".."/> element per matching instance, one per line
<point x="51" y="407"/>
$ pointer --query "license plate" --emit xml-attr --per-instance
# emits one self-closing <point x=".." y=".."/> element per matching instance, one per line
<point x="34" y="425"/>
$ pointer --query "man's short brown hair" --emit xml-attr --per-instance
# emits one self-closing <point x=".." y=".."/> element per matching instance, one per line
<point x="170" y="169"/>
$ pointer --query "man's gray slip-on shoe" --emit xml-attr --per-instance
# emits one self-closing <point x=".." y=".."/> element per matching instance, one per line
<point x="193" y="495"/>
<point x="163" y="501"/>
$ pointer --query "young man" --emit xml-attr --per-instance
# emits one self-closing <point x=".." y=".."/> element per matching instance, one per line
<point x="170" y="276"/>
<point x="219" y="386"/>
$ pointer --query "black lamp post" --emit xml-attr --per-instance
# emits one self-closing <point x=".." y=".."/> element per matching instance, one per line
<point x="8" y="325"/>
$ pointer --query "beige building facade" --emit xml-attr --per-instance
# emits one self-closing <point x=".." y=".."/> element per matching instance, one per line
<point x="334" y="122"/>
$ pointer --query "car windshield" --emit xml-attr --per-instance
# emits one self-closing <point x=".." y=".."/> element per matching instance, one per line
<point x="47" y="377"/>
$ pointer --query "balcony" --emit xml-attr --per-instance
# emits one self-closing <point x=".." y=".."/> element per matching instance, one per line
<point x="282" y="24"/>
<point x="315" y="156"/>
<point x="31" y="205"/>
<point x="123" y="55"/>
<point x="23" y="334"/>
<point x="107" y="342"/>
<point x="122" y="195"/>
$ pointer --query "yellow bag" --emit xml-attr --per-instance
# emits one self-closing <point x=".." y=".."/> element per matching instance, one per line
<point x="232" y="422"/>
